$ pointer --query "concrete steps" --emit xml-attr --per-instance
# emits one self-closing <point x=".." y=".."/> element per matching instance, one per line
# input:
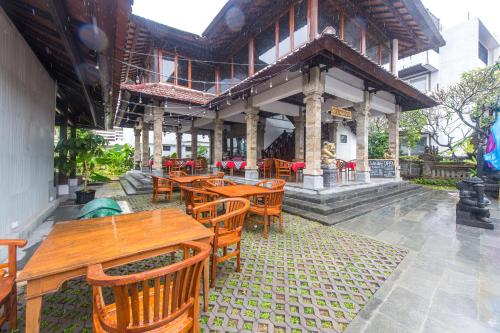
<point x="135" y="182"/>
<point x="342" y="206"/>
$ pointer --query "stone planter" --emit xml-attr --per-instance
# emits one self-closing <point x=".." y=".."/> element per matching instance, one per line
<point x="329" y="175"/>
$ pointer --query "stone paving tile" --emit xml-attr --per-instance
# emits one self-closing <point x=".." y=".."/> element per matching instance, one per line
<point x="311" y="278"/>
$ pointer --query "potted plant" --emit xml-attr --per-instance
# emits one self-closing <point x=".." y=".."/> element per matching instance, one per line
<point x="64" y="167"/>
<point x="88" y="147"/>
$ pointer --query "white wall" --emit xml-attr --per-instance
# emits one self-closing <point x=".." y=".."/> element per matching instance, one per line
<point x="27" y="111"/>
<point x="346" y="151"/>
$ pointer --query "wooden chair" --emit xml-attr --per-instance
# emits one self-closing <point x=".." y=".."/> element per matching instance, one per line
<point x="268" y="206"/>
<point x="194" y="197"/>
<point x="8" y="289"/>
<point x="273" y="184"/>
<point x="164" y="299"/>
<point x="341" y="168"/>
<point x="200" y="165"/>
<point x="176" y="165"/>
<point x="161" y="186"/>
<point x="220" y="174"/>
<point x="219" y="182"/>
<point x="265" y="168"/>
<point x="228" y="227"/>
<point x="282" y="169"/>
<point x="177" y="173"/>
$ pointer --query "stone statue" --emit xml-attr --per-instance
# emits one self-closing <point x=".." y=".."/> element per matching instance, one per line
<point x="389" y="154"/>
<point x="472" y="208"/>
<point x="328" y="156"/>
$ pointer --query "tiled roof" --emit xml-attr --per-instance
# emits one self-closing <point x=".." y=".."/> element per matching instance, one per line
<point x="169" y="91"/>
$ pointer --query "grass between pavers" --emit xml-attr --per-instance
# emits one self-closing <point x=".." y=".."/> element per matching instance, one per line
<point x="311" y="278"/>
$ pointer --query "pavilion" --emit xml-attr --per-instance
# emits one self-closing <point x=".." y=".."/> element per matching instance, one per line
<point x="258" y="61"/>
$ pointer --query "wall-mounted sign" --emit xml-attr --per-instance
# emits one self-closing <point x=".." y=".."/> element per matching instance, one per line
<point x="341" y="113"/>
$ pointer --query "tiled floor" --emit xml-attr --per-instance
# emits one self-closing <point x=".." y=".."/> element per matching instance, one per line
<point x="315" y="278"/>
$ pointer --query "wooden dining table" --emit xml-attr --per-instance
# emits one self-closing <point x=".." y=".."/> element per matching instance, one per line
<point x="111" y="241"/>
<point x="187" y="180"/>
<point x="238" y="191"/>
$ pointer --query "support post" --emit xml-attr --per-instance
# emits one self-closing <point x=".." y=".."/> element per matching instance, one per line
<point x="157" y="140"/>
<point x="252" y="118"/>
<point x="137" y="144"/>
<point x="218" y="138"/>
<point x="178" y="137"/>
<point x="313" y="87"/>
<point x="299" y="135"/>
<point x="261" y="132"/>
<point x="145" y="147"/>
<point x="393" y="129"/>
<point x="211" y="138"/>
<point x="194" y="142"/>
<point x="395" y="57"/>
<point x="72" y="155"/>
<point x="362" y="117"/>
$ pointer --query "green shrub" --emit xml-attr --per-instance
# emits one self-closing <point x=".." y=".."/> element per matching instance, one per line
<point x="410" y="158"/>
<point x="436" y="182"/>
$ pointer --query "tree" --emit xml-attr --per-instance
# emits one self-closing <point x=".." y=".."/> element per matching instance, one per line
<point x="471" y="100"/>
<point x="412" y="123"/>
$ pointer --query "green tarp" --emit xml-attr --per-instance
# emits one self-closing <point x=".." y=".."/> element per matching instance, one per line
<point x="99" y="207"/>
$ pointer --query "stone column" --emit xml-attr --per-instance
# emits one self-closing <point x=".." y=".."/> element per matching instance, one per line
<point x="194" y="143"/>
<point x="261" y="132"/>
<point x="211" y="144"/>
<point x="362" y="118"/>
<point x="145" y="147"/>
<point x="137" y="145"/>
<point x="178" y="137"/>
<point x="158" y="140"/>
<point x="252" y="118"/>
<point x="393" y="129"/>
<point x="218" y="139"/>
<point x="299" y="135"/>
<point x="332" y="132"/>
<point x="72" y="157"/>
<point x="394" y="57"/>
<point x="313" y="87"/>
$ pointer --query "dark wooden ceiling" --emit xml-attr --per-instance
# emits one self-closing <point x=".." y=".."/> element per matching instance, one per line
<point x="87" y="75"/>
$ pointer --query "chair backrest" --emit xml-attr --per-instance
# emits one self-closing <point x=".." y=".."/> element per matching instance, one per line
<point x="273" y="184"/>
<point x="273" y="198"/>
<point x="219" y="182"/>
<point x="281" y="164"/>
<point x="160" y="182"/>
<point x="341" y="164"/>
<point x="232" y="217"/>
<point x="268" y="163"/>
<point x="220" y="174"/>
<point x="177" y="174"/>
<point x="166" y="293"/>
<point x="194" y="195"/>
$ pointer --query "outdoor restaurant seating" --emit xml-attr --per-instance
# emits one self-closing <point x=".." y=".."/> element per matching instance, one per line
<point x="282" y="169"/>
<point x="194" y="197"/>
<point x="228" y="227"/>
<point x="177" y="174"/>
<point x="8" y="289"/>
<point x="220" y="182"/>
<point x="163" y="298"/>
<point x="265" y="167"/>
<point x="273" y="184"/>
<point x="200" y="165"/>
<point x="161" y="186"/>
<point x="269" y="207"/>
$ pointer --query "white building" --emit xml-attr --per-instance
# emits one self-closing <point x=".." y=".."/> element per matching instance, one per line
<point x="469" y="45"/>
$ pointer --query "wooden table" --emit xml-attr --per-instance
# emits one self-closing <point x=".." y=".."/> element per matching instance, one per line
<point x="238" y="191"/>
<point x="185" y="180"/>
<point x="111" y="241"/>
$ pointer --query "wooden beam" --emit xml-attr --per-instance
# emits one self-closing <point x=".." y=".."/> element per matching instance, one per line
<point x="63" y="26"/>
<point x="403" y="22"/>
<point x="131" y="54"/>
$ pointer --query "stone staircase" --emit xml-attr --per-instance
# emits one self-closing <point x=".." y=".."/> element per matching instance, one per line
<point x="136" y="182"/>
<point x="342" y="206"/>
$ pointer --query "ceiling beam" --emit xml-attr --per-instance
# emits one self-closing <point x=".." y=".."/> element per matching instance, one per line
<point x="63" y="26"/>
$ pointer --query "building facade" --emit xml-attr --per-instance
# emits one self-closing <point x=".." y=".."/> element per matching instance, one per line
<point x="256" y="61"/>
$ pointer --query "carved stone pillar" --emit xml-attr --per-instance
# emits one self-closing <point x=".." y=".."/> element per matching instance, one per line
<point x="194" y="143"/>
<point x="313" y="87"/>
<point x="261" y="132"/>
<point x="145" y="141"/>
<point x="393" y="129"/>
<point x="299" y="135"/>
<point x="218" y="138"/>
<point x="178" y="137"/>
<point x="332" y="132"/>
<point x="362" y="121"/>
<point x="157" y="140"/>
<point x="252" y="118"/>
<point x="137" y="145"/>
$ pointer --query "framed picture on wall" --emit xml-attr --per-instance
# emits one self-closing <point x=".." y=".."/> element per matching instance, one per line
<point x="343" y="138"/>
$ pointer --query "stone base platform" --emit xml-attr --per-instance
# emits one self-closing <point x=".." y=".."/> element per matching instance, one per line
<point x="136" y="182"/>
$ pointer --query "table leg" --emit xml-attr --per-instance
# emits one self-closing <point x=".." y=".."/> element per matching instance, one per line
<point x="206" y="282"/>
<point x="33" y="308"/>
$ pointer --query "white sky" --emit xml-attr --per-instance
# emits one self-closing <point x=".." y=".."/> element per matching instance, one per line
<point x="195" y="15"/>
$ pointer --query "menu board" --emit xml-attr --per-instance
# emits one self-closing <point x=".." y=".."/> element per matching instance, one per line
<point x="382" y="168"/>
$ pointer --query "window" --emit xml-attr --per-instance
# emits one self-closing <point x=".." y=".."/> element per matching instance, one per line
<point x="225" y="77"/>
<point x="420" y="83"/>
<point x="300" y="24"/>
<point x="284" y="34"/>
<point x="343" y="138"/>
<point x="352" y="33"/>
<point x="167" y="148"/>
<point x="241" y="71"/>
<point x="182" y="71"/>
<point x="265" y="48"/>
<point x="188" y="148"/>
<point x="203" y="77"/>
<point x="483" y="53"/>
<point x="327" y="17"/>
<point x="168" y="69"/>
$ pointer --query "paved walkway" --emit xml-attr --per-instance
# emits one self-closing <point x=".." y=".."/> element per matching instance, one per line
<point x="449" y="281"/>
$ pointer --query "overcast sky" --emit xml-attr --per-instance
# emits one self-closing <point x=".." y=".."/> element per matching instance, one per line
<point x="195" y="15"/>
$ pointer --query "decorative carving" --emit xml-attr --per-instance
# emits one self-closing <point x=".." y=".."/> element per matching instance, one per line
<point x="328" y="154"/>
<point x="430" y="154"/>
<point x="389" y="154"/>
<point x="472" y="208"/>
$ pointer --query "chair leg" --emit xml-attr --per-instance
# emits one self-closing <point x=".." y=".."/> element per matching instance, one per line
<point x="206" y="281"/>
<point x="238" y="256"/>
<point x="266" y="220"/>
<point x="13" y="310"/>
<point x="214" y="268"/>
